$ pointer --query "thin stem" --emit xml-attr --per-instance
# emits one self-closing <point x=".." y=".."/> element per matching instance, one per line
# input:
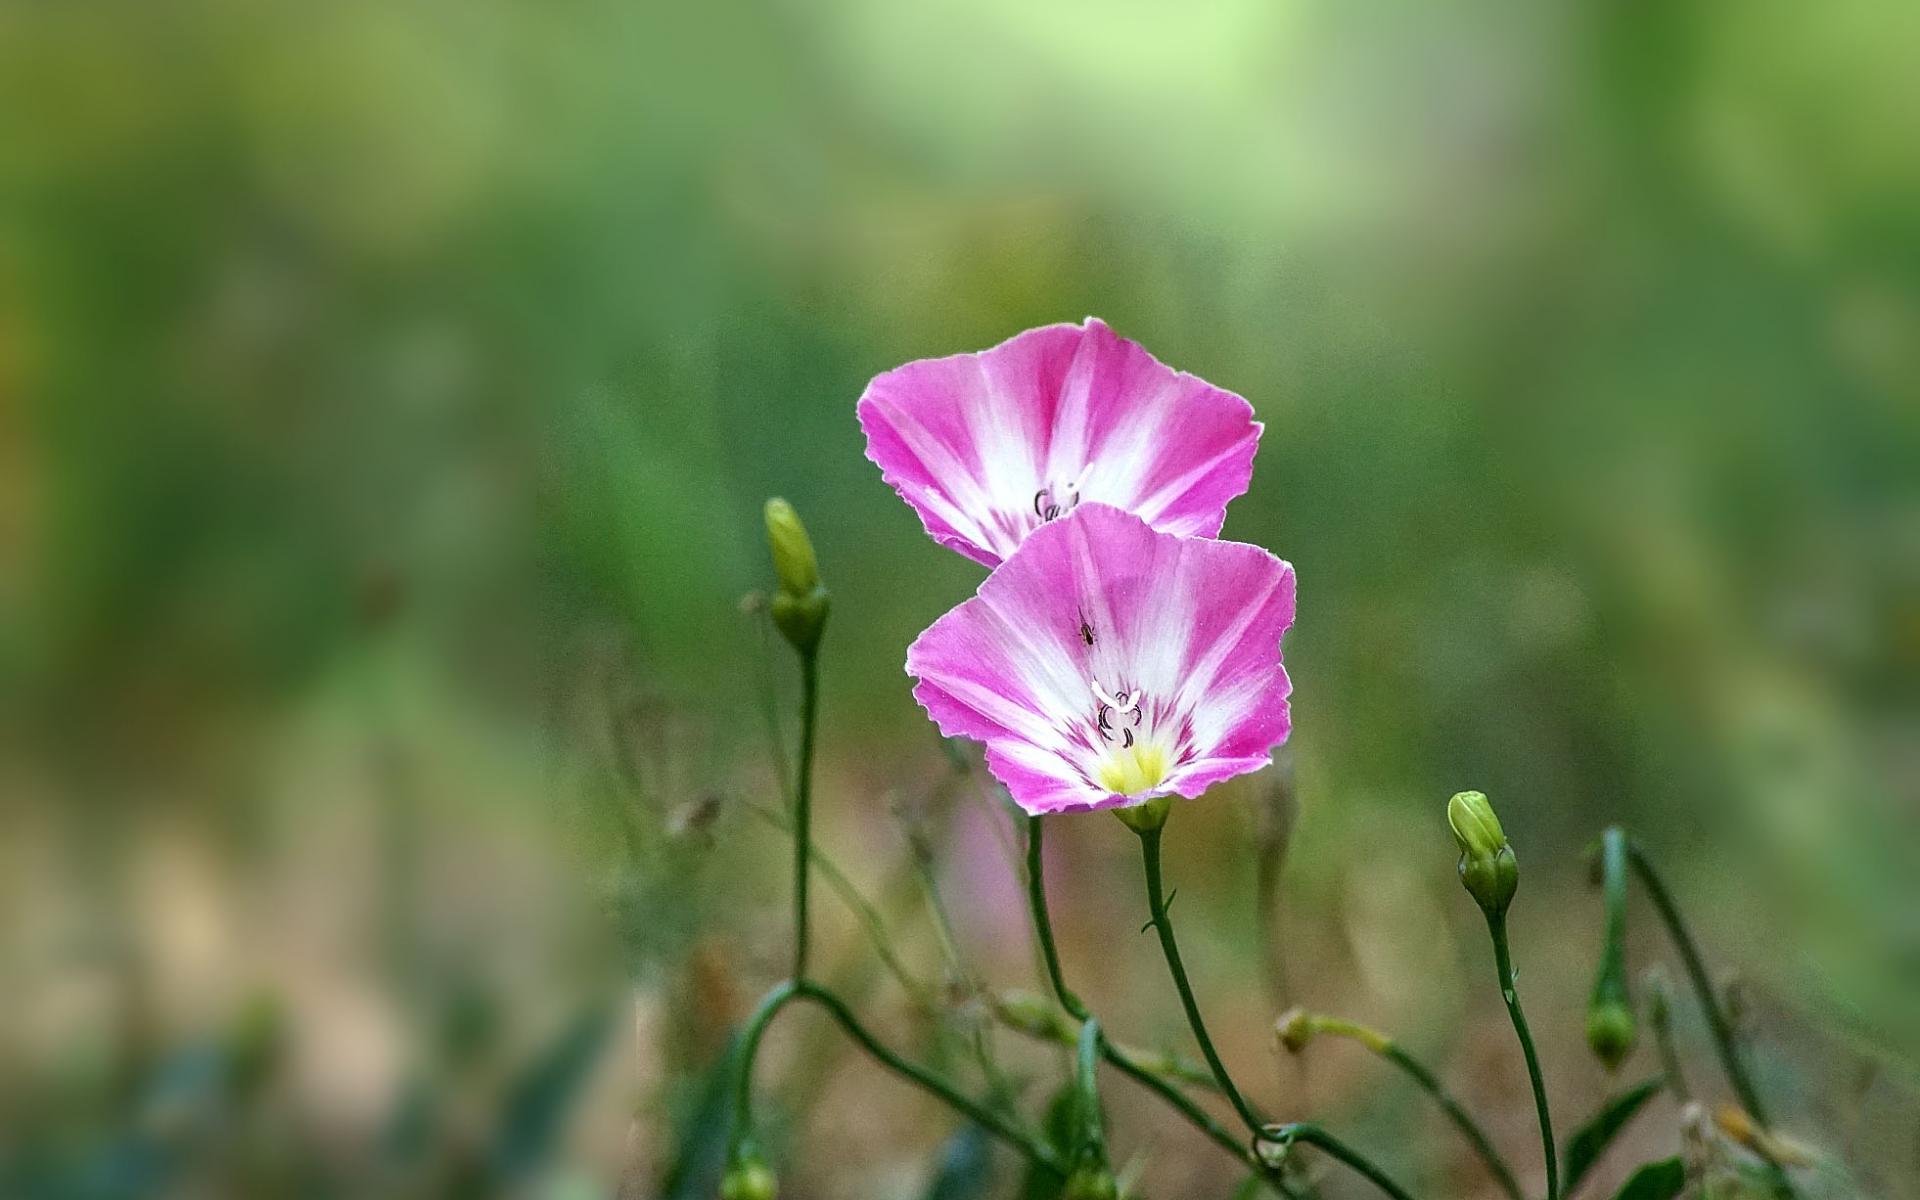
<point x="1043" y="924"/>
<point x="1157" y="905"/>
<point x="929" y="1082"/>
<point x="1610" y="994"/>
<point x="1457" y="1113"/>
<point x="1717" y="1023"/>
<point x="1122" y="1060"/>
<point x="803" y="804"/>
<point x="1314" y="1135"/>
<point x="1302" y="1025"/>
<point x="869" y="916"/>
<point x="1503" y="963"/>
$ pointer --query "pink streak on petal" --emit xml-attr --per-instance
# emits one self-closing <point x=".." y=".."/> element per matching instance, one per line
<point x="1196" y="623"/>
<point x="970" y="440"/>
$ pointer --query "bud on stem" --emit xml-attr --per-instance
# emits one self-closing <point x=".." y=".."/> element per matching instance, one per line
<point x="1610" y="1022"/>
<point x="1488" y="868"/>
<point x="799" y="607"/>
<point x="748" y="1177"/>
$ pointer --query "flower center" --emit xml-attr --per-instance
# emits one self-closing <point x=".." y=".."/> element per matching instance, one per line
<point x="1132" y="760"/>
<point x="1055" y="500"/>
<point x="1132" y="770"/>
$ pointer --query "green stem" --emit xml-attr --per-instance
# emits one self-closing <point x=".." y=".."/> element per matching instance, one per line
<point x="1043" y="923"/>
<point x="1610" y="993"/>
<point x="1121" y="1060"/>
<point x="1717" y="1023"/>
<point x="1458" y="1114"/>
<point x="1157" y="905"/>
<point x="936" y="1086"/>
<point x="1314" y="1135"/>
<point x="1313" y="1024"/>
<point x="837" y="880"/>
<point x="803" y="804"/>
<point x="1503" y="963"/>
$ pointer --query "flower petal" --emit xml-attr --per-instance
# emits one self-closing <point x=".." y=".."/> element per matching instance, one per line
<point x="1095" y="604"/>
<point x="982" y="444"/>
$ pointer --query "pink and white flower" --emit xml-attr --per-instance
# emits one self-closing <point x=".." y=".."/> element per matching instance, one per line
<point x="1106" y="663"/>
<point x="987" y="447"/>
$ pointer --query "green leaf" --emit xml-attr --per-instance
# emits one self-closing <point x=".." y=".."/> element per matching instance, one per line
<point x="1058" y="1126"/>
<point x="700" y="1132"/>
<point x="1591" y="1140"/>
<point x="1661" y="1180"/>
<point x="539" y="1101"/>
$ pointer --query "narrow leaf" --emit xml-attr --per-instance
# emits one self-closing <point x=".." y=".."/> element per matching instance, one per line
<point x="1591" y="1140"/>
<point x="1661" y="1180"/>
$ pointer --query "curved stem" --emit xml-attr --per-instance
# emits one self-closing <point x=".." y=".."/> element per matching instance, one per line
<point x="1717" y="1023"/>
<point x="1314" y="1135"/>
<point x="918" y="993"/>
<point x="1122" y="1061"/>
<point x="1457" y="1113"/>
<point x="1503" y="962"/>
<point x="1157" y="905"/>
<point x="1043" y="923"/>
<point x="803" y="804"/>
<point x="929" y="1082"/>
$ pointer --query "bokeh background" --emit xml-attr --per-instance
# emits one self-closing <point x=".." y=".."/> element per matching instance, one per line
<point x="388" y="393"/>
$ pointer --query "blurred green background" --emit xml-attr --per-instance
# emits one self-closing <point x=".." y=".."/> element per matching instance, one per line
<point x="388" y="393"/>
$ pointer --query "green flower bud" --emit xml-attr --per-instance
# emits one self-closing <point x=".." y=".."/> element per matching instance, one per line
<point x="799" y="607"/>
<point x="1294" y="1028"/>
<point x="1487" y="865"/>
<point x="793" y="560"/>
<point x="1610" y="1020"/>
<point x="748" y="1178"/>
<point x="1031" y="1015"/>
<point x="1610" y="1032"/>
<point x="1091" y="1183"/>
<point x="1148" y="817"/>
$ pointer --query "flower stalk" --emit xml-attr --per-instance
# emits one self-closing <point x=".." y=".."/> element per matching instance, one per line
<point x="1297" y="1027"/>
<point x="928" y="1081"/>
<point x="1132" y="1065"/>
<point x="1283" y="1138"/>
<point x="1610" y="1021"/>
<point x="1170" y="949"/>
<point x="1717" y="1022"/>
<point x="1490" y="872"/>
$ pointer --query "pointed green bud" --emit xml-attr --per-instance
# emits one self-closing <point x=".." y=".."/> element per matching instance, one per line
<point x="1031" y="1015"/>
<point x="799" y="606"/>
<point x="748" y="1178"/>
<point x="1487" y="865"/>
<point x="793" y="561"/>
<point x="1148" y="817"/>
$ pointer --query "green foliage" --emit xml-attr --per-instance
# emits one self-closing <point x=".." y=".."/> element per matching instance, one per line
<point x="1662" y="1180"/>
<point x="1591" y="1140"/>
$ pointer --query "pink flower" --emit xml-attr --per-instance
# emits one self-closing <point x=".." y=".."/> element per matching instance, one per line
<point x="987" y="447"/>
<point x="1107" y="663"/>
